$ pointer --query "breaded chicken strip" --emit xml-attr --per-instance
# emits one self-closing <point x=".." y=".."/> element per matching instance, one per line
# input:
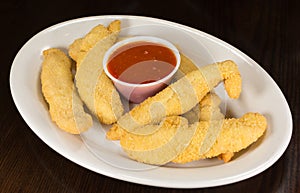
<point x="65" y="106"/>
<point x="159" y="148"/>
<point x="207" y="109"/>
<point x="79" y="48"/>
<point x="181" y="96"/>
<point x="167" y="129"/>
<point x="236" y="134"/>
<point x="94" y="87"/>
<point x="74" y="49"/>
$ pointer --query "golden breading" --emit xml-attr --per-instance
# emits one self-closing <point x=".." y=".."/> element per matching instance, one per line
<point x="65" y="106"/>
<point x="115" y="132"/>
<point x="236" y="134"/>
<point x="206" y="110"/>
<point x="186" y="66"/>
<point x="232" y="78"/>
<point x="226" y="157"/>
<point x="159" y="148"/>
<point x="167" y="129"/>
<point x="94" y="87"/>
<point x="74" y="48"/>
<point x="182" y="96"/>
<point x="79" y="48"/>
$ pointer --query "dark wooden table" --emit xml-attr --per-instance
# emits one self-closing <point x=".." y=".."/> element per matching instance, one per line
<point x="267" y="31"/>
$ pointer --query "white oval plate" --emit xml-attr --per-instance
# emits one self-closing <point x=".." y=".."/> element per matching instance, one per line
<point x="260" y="94"/>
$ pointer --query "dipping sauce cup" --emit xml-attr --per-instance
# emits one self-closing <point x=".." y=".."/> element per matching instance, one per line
<point x="141" y="66"/>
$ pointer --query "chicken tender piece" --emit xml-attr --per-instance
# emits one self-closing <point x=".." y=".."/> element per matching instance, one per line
<point x="65" y="106"/>
<point x="236" y="134"/>
<point x="94" y="87"/>
<point x="181" y="96"/>
<point x="159" y="148"/>
<point x="74" y="49"/>
<point x="206" y="110"/>
<point x="167" y="129"/>
<point x="79" y="48"/>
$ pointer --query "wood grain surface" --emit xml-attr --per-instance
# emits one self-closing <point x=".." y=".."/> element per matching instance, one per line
<point x="267" y="31"/>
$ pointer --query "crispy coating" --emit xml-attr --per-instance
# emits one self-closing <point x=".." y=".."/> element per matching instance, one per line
<point x="65" y="106"/>
<point x="211" y="99"/>
<point x="186" y="66"/>
<point x="115" y="132"/>
<point x="206" y="110"/>
<point x="74" y="49"/>
<point x="232" y="78"/>
<point x="236" y="134"/>
<point x="159" y="148"/>
<point x="79" y="48"/>
<point x="182" y="96"/>
<point x="226" y="157"/>
<point x="95" y="88"/>
<point x="167" y="129"/>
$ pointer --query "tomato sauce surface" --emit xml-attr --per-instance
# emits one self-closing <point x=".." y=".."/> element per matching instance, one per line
<point x="141" y="62"/>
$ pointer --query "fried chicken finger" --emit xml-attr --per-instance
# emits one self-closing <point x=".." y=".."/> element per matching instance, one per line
<point x="65" y="106"/>
<point x="236" y="134"/>
<point x="94" y="87"/>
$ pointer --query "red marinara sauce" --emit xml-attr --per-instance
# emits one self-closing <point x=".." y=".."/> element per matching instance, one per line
<point x="141" y="62"/>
